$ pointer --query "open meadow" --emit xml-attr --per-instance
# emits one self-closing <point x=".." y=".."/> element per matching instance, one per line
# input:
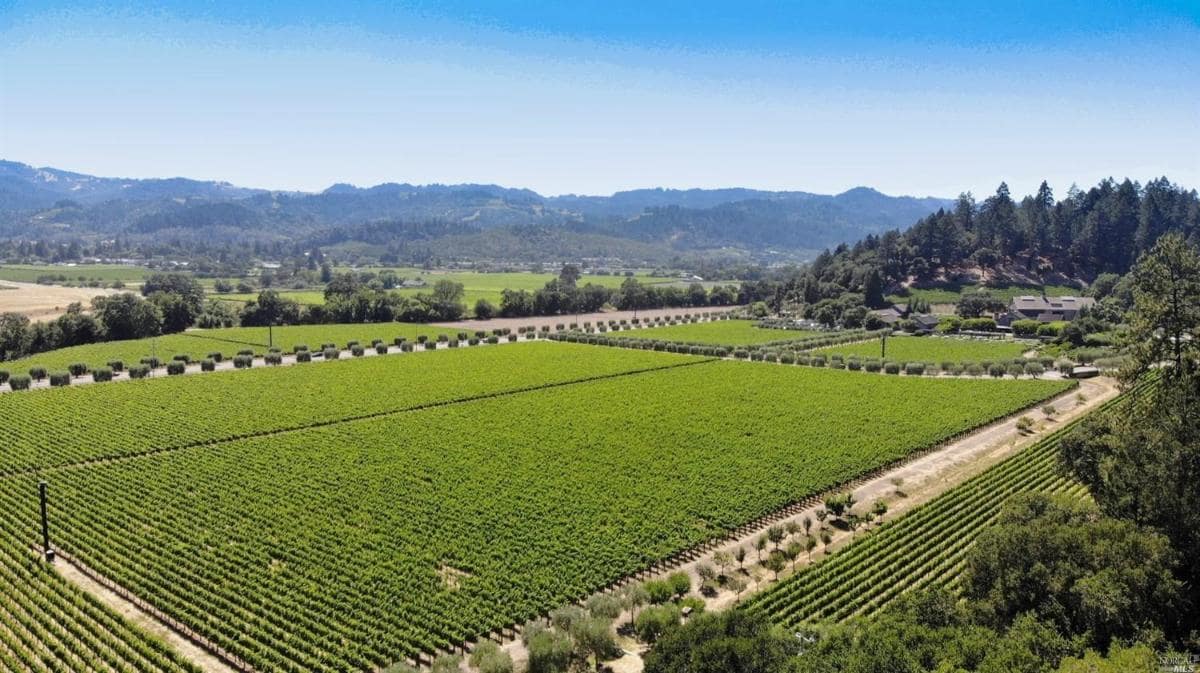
<point x="345" y="515"/>
<point x="43" y="302"/>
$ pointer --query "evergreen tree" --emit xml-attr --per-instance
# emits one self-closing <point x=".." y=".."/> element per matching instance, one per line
<point x="873" y="290"/>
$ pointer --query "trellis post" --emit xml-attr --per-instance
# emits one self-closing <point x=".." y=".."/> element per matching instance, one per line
<point x="45" y="523"/>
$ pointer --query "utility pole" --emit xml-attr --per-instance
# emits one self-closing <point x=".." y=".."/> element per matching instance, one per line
<point x="45" y="523"/>
<point x="883" y="346"/>
<point x="271" y="334"/>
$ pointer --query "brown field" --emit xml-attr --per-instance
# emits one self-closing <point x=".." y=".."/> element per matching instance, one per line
<point x="43" y="302"/>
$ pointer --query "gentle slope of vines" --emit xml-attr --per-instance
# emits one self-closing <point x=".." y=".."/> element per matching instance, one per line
<point x="359" y="543"/>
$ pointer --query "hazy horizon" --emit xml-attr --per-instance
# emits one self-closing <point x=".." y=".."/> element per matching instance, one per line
<point x="597" y="98"/>
<point x="449" y="184"/>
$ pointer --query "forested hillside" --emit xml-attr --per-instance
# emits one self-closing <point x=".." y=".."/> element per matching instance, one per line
<point x="1087" y="233"/>
<point x="1101" y="230"/>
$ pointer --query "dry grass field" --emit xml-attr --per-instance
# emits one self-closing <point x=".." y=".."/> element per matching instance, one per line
<point x="43" y="302"/>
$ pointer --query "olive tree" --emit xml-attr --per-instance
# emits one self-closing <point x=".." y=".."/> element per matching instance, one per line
<point x="654" y="621"/>
<point x="487" y="657"/>
<point x="776" y="534"/>
<point x="605" y="606"/>
<point x="550" y="652"/>
<point x="681" y="584"/>
<point x="634" y="596"/>
<point x="776" y="563"/>
<point x="593" y="638"/>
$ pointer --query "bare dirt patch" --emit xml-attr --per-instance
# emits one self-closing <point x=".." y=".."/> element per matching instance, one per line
<point x="452" y="577"/>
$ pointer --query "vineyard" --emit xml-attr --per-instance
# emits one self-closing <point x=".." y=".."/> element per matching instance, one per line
<point x="227" y="341"/>
<point x="923" y="549"/>
<point x="48" y="625"/>
<point x="933" y="349"/>
<point x="718" y="333"/>
<point x="61" y="426"/>
<point x="329" y="548"/>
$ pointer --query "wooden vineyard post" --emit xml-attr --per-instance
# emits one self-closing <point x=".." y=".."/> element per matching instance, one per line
<point x="45" y="523"/>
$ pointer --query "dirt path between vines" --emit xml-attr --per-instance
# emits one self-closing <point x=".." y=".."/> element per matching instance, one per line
<point x="131" y="613"/>
<point x="903" y="488"/>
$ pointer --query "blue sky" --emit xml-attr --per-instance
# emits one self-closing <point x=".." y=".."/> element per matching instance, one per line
<point x="592" y="97"/>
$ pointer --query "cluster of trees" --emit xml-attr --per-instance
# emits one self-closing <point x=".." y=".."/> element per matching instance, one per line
<point x="1143" y="464"/>
<point x="170" y="302"/>
<point x="347" y="300"/>
<point x="309" y="270"/>
<point x="207" y="257"/>
<point x="564" y="295"/>
<point x="574" y="638"/>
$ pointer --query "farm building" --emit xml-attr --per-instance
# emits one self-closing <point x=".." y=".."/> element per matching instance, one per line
<point x="925" y="322"/>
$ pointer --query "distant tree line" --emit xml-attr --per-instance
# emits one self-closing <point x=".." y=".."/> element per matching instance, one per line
<point x="563" y="295"/>
<point x="349" y="299"/>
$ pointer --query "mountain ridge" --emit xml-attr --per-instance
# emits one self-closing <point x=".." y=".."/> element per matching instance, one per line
<point x="54" y="204"/>
<point x="51" y="174"/>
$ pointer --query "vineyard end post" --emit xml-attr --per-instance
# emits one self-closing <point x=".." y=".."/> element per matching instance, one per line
<point x="42" y="486"/>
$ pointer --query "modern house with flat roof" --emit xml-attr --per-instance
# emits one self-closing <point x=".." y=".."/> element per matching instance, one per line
<point x="1048" y="309"/>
